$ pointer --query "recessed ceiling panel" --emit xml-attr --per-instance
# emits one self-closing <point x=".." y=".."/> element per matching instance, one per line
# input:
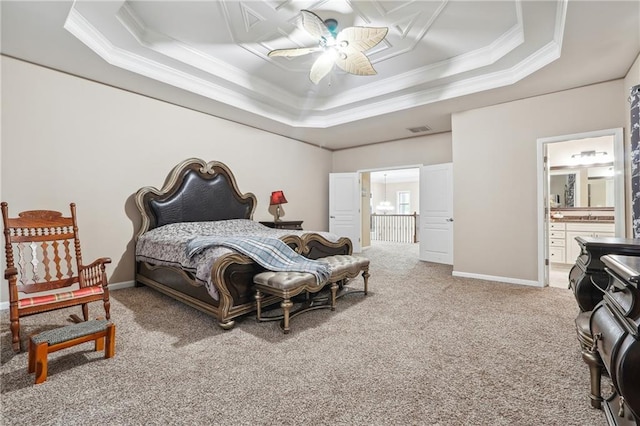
<point x="433" y="51"/>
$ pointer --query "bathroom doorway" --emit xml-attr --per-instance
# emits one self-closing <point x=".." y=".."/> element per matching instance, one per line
<point x="581" y="188"/>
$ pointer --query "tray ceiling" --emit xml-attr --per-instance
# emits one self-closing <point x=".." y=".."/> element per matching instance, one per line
<point x="433" y="51"/>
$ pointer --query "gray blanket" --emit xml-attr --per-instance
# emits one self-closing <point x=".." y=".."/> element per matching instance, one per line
<point x="270" y="253"/>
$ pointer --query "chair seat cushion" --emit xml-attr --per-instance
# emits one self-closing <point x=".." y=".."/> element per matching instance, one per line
<point x="57" y="297"/>
<point x="70" y="332"/>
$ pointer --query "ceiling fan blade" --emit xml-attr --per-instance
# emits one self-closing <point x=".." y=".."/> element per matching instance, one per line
<point x="289" y="53"/>
<point x="314" y="25"/>
<point x="355" y="63"/>
<point x="361" y="38"/>
<point x="322" y="66"/>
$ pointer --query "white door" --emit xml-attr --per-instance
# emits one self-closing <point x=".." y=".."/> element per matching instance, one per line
<point x="436" y="213"/>
<point x="344" y="207"/>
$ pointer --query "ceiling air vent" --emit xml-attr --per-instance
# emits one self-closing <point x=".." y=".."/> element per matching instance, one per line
<point x="419" y="129"/>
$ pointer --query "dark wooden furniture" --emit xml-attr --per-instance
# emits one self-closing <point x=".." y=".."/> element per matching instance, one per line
<point x="198" y="191"/>
<point x="284" y="224"/>
<point x="615" y="327"/>
<point x="41" y="345"/>
<point x="45" y="269"/>
<point x="587" y="278"/>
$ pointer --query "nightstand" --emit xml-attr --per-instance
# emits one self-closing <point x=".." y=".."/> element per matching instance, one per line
<point x="285" y="224"/>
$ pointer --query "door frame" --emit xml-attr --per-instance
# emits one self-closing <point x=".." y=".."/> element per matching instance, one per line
<point x="620" y="199"/>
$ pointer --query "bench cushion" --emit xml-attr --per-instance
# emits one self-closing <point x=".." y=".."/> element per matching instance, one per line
<point x="341" y="264"/>
<point x="285" y="280"/>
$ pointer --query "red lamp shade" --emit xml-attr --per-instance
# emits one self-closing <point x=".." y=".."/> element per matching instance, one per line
<point x="277" y="197"/>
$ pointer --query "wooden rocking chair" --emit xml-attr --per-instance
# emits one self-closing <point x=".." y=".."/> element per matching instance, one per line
<point x="44" y="263"/>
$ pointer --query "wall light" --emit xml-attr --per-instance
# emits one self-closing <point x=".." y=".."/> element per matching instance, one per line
<point x="589" y="157"/>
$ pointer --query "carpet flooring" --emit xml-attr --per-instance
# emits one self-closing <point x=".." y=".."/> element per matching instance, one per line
<point x="423" y="348"/>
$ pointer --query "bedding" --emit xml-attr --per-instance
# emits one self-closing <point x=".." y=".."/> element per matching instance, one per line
<point x="270" y="253"/>
<point x="167" y="245"/>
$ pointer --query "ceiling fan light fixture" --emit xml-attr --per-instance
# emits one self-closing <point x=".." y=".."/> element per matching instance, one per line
<point x="332" y="26"/>
<point x="347" y="46"/>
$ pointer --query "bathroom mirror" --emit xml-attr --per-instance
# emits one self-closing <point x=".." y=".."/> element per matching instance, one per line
<point x="591" y="186"/>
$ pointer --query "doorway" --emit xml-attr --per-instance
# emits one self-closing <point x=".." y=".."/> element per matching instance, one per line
<point x="413" y="205"/>
<point x="393" y="205"/>
<point x="581" y="193"/>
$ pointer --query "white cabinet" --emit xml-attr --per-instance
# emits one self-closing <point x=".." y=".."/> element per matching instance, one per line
<point x="557" y="242"/>
<point x="590" y="229"/>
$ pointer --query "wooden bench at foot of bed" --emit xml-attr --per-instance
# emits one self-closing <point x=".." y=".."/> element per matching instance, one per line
<point x="286" y="285"/>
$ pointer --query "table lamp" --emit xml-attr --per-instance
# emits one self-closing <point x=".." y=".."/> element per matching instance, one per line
<point x="277" y="198"/>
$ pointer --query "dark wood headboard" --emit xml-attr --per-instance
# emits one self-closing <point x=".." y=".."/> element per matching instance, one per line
<point x="194" y="191"/>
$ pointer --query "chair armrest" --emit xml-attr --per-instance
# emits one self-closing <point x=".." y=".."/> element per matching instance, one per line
<point x="100" y="261"/>
<point x="94" y="273"/>
<point x="10" y="272"/>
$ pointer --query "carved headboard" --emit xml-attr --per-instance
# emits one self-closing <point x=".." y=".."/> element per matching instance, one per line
<point x="195" y="191"/>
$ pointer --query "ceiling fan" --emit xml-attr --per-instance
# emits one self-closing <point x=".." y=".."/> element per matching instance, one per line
<point x="344" y="49"/>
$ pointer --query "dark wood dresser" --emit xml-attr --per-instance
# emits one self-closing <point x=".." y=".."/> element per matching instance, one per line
<point x="285" y="224"/>
<point x="615" y="327"/>
<point x="588" y="278"/>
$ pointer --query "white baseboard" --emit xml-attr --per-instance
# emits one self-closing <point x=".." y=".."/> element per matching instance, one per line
<point x="495" y="278"/>
<point x="114" y="286"/>
<point x="124" y="284"/>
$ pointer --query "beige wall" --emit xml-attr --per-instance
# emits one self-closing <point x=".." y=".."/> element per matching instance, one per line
<point x="426" y="150"/>
<point x="67" y="139"/>
<point x="495" y="173"/>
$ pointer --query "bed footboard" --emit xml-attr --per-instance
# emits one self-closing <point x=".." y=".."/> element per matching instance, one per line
<point x="315" y="246"/>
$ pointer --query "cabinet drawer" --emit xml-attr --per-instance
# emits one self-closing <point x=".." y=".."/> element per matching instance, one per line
<point x="556" y="254"/>
<point x="591" y="227"/>
<point x="556" y="234"/>
<point x="599" y="234"/>
<point x="558" y="226"/>
<point x="555" y="242"/>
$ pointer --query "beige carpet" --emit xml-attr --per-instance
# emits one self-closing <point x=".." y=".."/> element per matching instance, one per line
<point x="423" y="348"/>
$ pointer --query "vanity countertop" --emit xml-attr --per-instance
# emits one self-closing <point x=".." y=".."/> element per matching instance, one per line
<point x="584" y="219"/>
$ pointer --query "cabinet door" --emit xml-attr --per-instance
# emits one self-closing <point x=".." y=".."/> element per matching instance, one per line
<point x="572" y="247"/>
<point x="556" y="255"/>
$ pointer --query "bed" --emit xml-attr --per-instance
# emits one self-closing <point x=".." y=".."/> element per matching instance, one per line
<point x="202" y="198"/>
